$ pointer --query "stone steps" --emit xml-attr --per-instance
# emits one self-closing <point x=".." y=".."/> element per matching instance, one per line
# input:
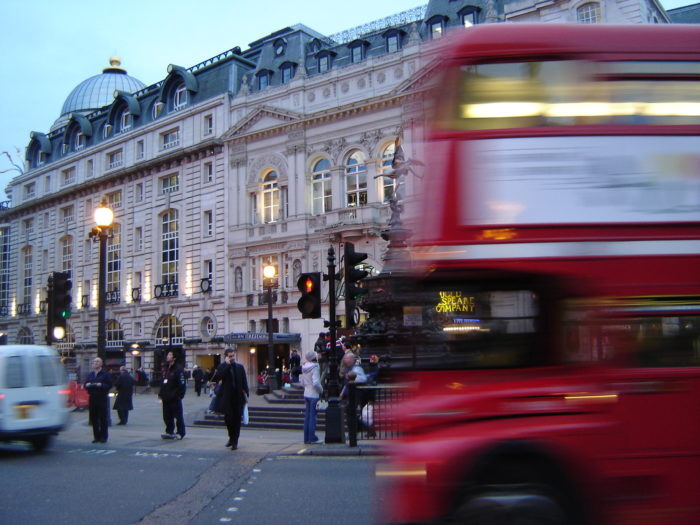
<point x="273" y="417"/>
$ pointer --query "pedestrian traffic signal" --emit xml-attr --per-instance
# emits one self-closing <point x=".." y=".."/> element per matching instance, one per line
<point x="309" y="285"/>
<point x="353" y="276"/>
<point x="60" y="303"/>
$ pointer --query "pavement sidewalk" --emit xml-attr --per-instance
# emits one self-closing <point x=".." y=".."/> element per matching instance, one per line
<point x="146" y="425"/>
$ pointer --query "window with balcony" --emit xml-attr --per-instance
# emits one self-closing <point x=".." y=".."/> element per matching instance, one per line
<point x="68" y="176"/>
<point x="270" y="197"/>
<point x="67" y="214"/>
<point x="180" y="97"/>
<point x="28" y="226"/>
<point x="125" y="121"/>
<point x="114" y="159"/>
<point x="29" y="191"/>
<point x="170" y="139"/>
<point x="170" y="183"/>
<point x="89" y="168"/>
<point x="355" y="180"/>
<point x="208" y="172"/>
<point x="138" y="192"/>
<point x="114" y="264"/>
<point x="321" y="192"/>
<point x="114" y="199"/>
<point x="388" y="183"/>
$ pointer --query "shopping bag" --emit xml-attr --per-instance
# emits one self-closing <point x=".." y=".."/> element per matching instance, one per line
<point x="245" y="415"/>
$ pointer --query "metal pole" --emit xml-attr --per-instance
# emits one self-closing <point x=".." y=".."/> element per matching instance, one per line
<point x="334" y="415"/>
<point x="271" y="375"/>
<point x="49" y="312"/>
<point x="101" y="293"/>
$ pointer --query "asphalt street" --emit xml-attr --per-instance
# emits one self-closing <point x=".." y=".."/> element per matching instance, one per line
<point x="136" y="477"/>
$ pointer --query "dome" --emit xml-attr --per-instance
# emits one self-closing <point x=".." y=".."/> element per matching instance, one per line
<point x="98" y="91"/>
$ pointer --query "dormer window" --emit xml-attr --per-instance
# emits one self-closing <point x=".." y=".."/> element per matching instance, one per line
<point x="180" y="97"/>
<point x="469" y="16"/>
<point x="287" y="70"/>
<point x="324" y="63"/>
<point x="357" y="50"/>
<point x="125" y="121"/>
<point x="392" y="43"/>
<point x="436" y="27"/>
<point x="78" y="141"/>
<point x="264" y="79"/>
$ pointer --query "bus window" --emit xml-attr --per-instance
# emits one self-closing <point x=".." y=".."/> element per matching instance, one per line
<point x="666" y="341"/>
<point x="468" y="328"/>
<point x="569" y="92"/>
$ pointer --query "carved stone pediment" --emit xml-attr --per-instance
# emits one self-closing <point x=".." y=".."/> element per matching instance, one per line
<point x="261" y="118"/>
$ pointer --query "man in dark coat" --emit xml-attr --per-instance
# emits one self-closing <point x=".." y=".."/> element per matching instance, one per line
<point x="198" y="377"/>
<point x="295" y="366"/>
<point x="125" y="391"/>
<point x="172" y="390"/>
<point x="98" y="384"/>
<point x="233" y="395"/>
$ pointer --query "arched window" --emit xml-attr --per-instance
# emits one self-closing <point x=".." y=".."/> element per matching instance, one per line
<point x="114" y="264"/>
<point x="169" y="331"/>
<point x="321" y="192"/>
<point x="388" y="183"/>
<point x="114" y="334"/>
<point x="356" y="180"/>
<point x="469" y="15"/>
<point x="170" y="247"/>
<point x="270" y="197"/>
<point x="588" y="13"/>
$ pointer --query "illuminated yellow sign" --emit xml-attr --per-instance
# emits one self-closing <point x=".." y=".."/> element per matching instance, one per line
<point x="455" y="302"/>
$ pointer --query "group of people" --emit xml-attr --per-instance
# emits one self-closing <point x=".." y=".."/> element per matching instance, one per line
<point x="232" y="397"/>
<point x="231" y="385"/>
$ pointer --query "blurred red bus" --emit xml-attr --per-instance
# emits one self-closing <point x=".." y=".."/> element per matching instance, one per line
<point x="556" y="277"/>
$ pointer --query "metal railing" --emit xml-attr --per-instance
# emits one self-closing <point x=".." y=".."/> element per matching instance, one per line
<point x="372" y="411"/>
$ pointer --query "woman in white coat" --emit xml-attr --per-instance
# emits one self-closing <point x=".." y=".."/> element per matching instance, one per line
<point x="311" y="380"/>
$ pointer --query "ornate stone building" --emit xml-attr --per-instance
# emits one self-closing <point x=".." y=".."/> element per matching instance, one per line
<point x="266" y="155"/>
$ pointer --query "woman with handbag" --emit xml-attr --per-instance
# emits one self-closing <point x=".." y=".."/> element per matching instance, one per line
<point x="311" y="381"/>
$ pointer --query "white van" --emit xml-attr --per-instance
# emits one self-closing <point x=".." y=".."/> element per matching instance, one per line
<point x="33" y="394"/>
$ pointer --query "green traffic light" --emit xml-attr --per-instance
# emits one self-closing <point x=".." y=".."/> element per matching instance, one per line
<point x="65" y="314"/>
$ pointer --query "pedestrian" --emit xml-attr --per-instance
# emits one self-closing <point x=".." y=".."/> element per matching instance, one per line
<point x="320" y="349"/>
<point x="172" y="390"/>
<point x="198" y="377"/>
<point x="125" y="392"/>
<point x="295" y="366"/>
<point x="311" y="380"/>
<point x="98" y="384"/>
<point x="232" y="395"/>
<point x="351" y="371"/>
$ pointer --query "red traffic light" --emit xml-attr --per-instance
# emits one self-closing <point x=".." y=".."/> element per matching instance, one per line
<point x="309" y="304"/>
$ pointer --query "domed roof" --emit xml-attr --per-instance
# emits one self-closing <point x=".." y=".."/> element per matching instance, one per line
<point x="98" y="91"/>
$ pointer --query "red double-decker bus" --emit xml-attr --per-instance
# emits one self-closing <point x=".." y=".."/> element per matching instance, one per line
<point x="556" y="271"/>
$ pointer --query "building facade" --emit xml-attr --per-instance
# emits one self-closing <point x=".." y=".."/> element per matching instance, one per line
<point x="269" y="155"/>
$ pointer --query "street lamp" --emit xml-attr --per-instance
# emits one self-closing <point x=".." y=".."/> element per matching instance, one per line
<point x="269" y="282"/>
<point x="100" y="233"/>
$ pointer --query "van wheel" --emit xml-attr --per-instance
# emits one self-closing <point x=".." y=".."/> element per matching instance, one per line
<point x="40" y="443"/>
<point x="510" y="505"/>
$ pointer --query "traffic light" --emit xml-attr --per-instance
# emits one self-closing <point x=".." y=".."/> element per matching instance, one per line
<point x="352" y="278"/>
<point x="309" y="285"/>
<point x="60" y="308"/>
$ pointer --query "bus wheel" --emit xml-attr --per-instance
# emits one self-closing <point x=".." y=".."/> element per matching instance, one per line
<point x="511" y="505"/>
<point x="39" y="443"/>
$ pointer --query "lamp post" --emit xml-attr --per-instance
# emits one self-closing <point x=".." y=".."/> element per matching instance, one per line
<point x="100" y="233"/>
<point x="269" y="282"/>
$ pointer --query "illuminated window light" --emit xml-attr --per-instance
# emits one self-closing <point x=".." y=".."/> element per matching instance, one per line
<point x="675" y="109"/>
<point x="502" y="109"/>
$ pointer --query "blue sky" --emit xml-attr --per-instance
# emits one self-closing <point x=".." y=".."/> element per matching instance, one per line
<point x="49" y="47"/>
